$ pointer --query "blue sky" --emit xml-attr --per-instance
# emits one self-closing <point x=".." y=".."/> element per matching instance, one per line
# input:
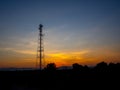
<point x="91" y="26"/>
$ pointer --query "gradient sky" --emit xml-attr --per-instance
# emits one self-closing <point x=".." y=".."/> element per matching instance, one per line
<point x="76" y="31"/>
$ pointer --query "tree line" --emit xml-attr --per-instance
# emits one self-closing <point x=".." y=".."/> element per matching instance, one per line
<point x="100" y="67"/>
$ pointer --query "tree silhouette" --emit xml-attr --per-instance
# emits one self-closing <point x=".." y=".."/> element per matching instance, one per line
<point x="51" y="67"/>
<point x="76" y="66"/>
<point x="102" y="66"/>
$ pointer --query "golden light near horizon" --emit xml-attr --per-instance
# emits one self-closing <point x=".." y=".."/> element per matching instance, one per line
<point x="66" y="58"/>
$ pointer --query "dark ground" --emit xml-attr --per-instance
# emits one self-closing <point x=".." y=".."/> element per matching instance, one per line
<point x="73" y="79"/>
<point x="37" y="80"/>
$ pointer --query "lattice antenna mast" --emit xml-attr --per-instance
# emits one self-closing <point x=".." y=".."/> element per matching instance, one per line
<point x="40" y="46"/>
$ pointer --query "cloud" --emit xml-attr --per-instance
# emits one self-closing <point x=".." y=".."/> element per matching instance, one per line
<point x="18" y="51"/>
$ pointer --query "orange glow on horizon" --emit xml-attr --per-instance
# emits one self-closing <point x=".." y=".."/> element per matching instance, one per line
<point x="83" y="57"/>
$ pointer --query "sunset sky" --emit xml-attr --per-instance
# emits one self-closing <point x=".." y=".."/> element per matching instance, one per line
<point x="76" y="31"/>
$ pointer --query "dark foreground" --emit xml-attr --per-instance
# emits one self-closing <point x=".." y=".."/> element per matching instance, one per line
<point x="102" y="78"/>
<point x="61" y="79"/>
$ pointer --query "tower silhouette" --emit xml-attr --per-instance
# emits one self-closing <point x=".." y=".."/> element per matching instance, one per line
<point x="40" y="49"/>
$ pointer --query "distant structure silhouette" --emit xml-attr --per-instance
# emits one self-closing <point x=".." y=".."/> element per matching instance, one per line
<point x="40" y="49"/>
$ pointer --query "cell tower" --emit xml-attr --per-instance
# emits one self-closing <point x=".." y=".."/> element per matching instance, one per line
<point x="40" y="49"/>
